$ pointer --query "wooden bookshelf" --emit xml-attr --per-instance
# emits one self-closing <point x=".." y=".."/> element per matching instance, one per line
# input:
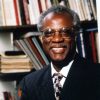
<point x="89" y="24"/>
<point x="31" y="28"/>
<point x="15" y="29"/>
<point x="21" y="31"/>
<point x="13" y="76"/>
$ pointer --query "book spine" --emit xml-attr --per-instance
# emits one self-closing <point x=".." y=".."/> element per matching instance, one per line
<point x="16" y="12"/>
<point x="22" y="13"/>
<point x="93" y="46"/>
<point x="2" y="15"/>
<point x="37" y="43"/>
<point x="26" y="11"/>
<point x="33" y="54"/>
<point x="27" y="51"/>
<point x="80" y="45"/>
<point x="9" y="12"/>
<point x="35" y="50"/>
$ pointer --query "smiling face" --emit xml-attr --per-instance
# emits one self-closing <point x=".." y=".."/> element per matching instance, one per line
<point x="57" y="40"/>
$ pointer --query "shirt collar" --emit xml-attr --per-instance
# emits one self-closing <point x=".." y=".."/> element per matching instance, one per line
<point x="64" y="71"/>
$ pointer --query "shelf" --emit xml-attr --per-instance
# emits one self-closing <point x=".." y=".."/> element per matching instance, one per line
<point x="20" y="31"/>
<point x="13" y="76"/>
<point x="86" y="25"/>
<point x="31" y="30"/>
<point x="16" y="29"/>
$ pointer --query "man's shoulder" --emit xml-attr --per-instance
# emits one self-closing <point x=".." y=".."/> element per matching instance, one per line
<point x="38" y="73"/>
<point x="36" y="76"/>
<point x="86" y="63"/>
<point x="80" y="59"/>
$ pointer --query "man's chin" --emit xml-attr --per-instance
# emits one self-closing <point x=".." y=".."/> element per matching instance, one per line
<point x="57" y="59"/>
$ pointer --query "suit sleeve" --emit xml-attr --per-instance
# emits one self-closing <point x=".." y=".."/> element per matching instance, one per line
<point x="22" y="92"/>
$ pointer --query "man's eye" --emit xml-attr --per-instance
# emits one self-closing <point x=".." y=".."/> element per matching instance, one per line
<point x="67" y="32"/>
<point x="48" y="32"/>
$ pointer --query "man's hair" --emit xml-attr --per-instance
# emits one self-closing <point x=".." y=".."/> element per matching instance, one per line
<point x="60" y="9"/>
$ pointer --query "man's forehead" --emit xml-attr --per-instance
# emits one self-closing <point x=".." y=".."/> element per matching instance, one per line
<point x="56" y="19"/>
<point x="51" y="14"/>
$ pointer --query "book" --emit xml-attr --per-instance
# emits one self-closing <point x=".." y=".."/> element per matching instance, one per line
<point x="2" y="16"/>
<point x="93" y="46"/>
<point x="8" y="95"/>
<point x="17" y="12"/>
<point x="93" y="7"/>
<point x="14" y="63"/>
<point x="97" y="41"/>
<point x="22" y="13"/>
<point x="80" y="44"/>
<point x="48" y="3"/>
<point x="35" y="10"/>
<point x="37" y="43"/>
<point x="26" y="11"/>
<point x="32" y="47"/>
<point x="36" y="52"/>
<point x="90" y="9"/>
<point x="90" y="46"/>
<point x="80" y="10"/>
<point x="43" y="4"/>
<point x="27" y="51"/>
<point x="31" y="15"/>
<point x="9" y="12"/>
<point x="1" y="96"/>
<point x="33" y="53"/>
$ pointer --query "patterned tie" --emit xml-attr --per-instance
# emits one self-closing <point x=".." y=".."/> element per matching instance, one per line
<point x="57" y="86"/>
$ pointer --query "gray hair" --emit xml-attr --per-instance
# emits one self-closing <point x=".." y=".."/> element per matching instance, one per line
<point x="60" y="9"/>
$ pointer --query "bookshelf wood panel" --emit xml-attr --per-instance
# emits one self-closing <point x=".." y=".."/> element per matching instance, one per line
<point x="21" y="28"/>
<point x="21" y="31"/>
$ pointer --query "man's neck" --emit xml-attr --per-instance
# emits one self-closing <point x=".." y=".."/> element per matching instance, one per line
<point x="58" y="65"/>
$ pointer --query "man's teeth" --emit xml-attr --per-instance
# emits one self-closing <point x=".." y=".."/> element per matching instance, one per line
<point x="57" y="49"/>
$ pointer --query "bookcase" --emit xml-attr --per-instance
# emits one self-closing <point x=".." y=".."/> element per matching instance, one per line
<point x="23" y="29"/>
<point x="98" y="17"/>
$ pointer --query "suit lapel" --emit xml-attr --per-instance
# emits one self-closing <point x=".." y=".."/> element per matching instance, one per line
<point x="46" y="88"/>
<point x="71" y="85"/>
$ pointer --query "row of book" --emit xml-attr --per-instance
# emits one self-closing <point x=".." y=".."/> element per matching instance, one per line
<point x="86" y="9"/>
<point x="87" y="44"/>
<point x="14" y="62"/>
<point x="35" y="58"/>
<point x="19" y="12"/>
<point x="33" y="49"/>
<point x="22" y="12"/>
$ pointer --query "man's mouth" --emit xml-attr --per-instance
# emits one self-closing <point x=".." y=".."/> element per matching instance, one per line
<point x="58" y="50"/>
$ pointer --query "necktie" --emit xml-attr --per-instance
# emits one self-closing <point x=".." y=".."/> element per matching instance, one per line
<point x="57" y="86"/>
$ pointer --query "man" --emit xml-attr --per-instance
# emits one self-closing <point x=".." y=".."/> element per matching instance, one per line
<point x="81" y="78"/>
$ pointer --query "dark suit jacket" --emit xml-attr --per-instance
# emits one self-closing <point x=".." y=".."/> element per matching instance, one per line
<point x="82" y="83"/>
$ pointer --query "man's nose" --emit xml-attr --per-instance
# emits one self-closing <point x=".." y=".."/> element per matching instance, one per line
<point x="57" y="37"/>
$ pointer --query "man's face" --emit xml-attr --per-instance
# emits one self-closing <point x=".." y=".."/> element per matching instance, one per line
<point x="58" y="40"/>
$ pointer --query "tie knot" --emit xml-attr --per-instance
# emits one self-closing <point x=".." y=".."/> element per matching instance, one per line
<point x="58" y="76"/>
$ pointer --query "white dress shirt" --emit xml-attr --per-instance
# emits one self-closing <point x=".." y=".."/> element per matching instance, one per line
<point x="64" y="71"/>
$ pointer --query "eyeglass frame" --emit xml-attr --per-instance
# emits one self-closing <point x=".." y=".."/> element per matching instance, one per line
<point x="71" y="32"/>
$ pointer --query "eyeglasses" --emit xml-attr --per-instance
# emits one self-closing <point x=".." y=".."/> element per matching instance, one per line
<point x="65" y="32"/>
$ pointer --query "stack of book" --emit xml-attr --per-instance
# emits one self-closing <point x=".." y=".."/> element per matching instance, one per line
<point x="33" y="48"/>
<point x="12" y="62"/>
<point x="87" y="44"/>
